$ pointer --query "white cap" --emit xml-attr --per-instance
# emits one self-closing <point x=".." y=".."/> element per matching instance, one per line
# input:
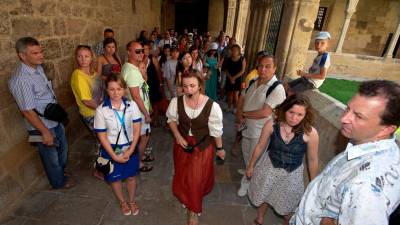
<point x="213" y="46"/>
<point x="323" y="35"/>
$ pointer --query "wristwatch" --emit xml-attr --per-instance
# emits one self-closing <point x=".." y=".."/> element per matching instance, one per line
<point x="220" y="148"/>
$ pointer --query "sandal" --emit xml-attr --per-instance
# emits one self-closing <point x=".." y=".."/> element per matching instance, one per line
<point x="193" y="218"/>
<point x="134" y="208"/>
<point x="146" y="168"/>
<point x="148" y="158"/>
<point x="126" y="210"/>
<point x="256" y="222"/>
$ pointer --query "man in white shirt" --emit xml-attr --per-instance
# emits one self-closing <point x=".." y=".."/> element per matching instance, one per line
<point x="360" y="186"/>
<point x="255" y="107"/>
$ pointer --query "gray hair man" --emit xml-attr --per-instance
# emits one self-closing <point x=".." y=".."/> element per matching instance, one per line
<point x="33" y="92"/>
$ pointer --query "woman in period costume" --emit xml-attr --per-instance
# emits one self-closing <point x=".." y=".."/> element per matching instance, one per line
<point x="195" y="120"/>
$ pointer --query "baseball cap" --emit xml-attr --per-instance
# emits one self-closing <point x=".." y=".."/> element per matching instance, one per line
<point x="323" y="35"/>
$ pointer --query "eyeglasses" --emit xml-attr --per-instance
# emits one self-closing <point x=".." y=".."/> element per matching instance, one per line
<point x="139" y="50"/>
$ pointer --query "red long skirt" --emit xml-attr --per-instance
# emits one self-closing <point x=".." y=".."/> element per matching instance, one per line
<point x="194" y="175"/>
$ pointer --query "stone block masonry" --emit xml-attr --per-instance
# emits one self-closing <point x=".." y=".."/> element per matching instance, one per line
<point x="59" y="26"/>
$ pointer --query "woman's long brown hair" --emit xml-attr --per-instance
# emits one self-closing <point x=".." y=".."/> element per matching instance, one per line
<point x="297" y="99"/>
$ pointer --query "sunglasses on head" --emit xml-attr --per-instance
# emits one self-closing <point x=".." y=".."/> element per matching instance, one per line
<point x="84" y="46"/>
<point x="139" y="50"/>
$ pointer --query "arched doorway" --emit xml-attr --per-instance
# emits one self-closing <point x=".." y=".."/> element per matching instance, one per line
<point x="181" y="14"/>
<point x="191" y="14"/>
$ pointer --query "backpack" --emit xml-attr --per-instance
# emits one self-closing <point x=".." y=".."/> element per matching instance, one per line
<point x="270" y="89"/>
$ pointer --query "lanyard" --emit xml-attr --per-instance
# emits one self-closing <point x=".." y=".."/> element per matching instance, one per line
<point x="122" y="121"/>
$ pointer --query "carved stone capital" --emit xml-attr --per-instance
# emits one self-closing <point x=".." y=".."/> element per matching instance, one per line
<point x="351" y="7"/>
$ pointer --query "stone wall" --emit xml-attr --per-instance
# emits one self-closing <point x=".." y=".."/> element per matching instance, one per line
<point x="370" y="67"/>
<point x="327" y="122"/>
<point x="60" y="26"/>
<point x="369" y="27"/>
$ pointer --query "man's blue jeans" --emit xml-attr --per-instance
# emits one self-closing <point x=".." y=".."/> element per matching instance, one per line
<point x="54" y="157"/>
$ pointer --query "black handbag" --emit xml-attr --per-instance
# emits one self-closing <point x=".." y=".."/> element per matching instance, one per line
<point x="54" y="112"/>
<point x="104" y="165"/>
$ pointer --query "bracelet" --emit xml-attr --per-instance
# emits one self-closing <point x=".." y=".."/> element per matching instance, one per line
<point x="220" y="148"/>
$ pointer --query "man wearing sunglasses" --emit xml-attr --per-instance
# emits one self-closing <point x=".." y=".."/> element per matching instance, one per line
<point x="138" y="91"/>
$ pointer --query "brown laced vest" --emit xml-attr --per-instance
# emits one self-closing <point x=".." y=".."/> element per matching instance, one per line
<point x="199" y="124"/>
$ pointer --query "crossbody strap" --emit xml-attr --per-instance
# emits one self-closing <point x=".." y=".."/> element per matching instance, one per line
<point x="122" y="120"/>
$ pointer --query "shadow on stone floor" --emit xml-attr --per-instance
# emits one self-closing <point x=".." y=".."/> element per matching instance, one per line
<point x="91" y="202"/>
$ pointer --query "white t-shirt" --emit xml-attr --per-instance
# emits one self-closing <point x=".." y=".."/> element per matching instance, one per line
<point x="170" y="73"/>
<point x="255" y="99"/>
<point x="321" y="61"/>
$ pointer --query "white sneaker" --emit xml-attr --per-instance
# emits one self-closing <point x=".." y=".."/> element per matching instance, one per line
<point x="242" y="191"/>
<point x="241" y="171"/>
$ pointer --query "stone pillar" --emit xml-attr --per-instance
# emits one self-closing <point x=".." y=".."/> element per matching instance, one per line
<point x="395" y="37"/>
<point x="350" y="9"/>
<point x="258" y="27"/>
<point x="167" y="16"/>
<point x="215" y="17"/>
<point x="241" y="21"/>
<point x="230" y="17"/>
<point x="294" y="36"/>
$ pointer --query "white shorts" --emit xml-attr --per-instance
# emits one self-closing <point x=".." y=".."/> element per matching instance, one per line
<point x="145" y="129"/>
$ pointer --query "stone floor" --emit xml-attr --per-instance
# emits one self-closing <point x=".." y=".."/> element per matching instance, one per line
<point x="91" y="202"/>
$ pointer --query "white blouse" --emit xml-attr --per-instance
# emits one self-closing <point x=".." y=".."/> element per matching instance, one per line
<point x="215" y="123"/>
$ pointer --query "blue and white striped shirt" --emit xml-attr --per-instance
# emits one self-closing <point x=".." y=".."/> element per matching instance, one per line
<point x="32" y="90"/>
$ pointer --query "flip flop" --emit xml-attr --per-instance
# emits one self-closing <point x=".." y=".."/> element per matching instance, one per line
<point x="146" y="168"/>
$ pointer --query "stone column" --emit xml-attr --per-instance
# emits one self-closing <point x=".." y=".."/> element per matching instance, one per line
<point x="215" y="17"/>
<point x="395" y="37"/>
<point x="258" y="27"/>
<point x="295" y="35"/>
<point x="230" y="17"/>
<point x="350" y="9"/>
<point x="241" y="21"/>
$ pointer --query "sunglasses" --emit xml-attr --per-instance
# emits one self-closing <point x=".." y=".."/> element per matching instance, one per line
<point x="83" y="46"/>
<point x="139" y="50"/>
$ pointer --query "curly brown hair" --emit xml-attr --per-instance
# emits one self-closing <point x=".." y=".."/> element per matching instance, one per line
<point x="297" y="99"/>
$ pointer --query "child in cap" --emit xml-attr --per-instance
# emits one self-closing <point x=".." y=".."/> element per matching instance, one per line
<point x="317" y="72"/>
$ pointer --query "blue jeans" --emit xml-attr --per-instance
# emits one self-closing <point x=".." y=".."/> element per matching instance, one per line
<point x="54" y="157"/>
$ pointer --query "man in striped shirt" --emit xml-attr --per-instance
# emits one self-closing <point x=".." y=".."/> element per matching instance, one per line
<point x="32" y="92"/>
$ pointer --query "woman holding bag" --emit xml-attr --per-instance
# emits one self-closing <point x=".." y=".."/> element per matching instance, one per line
<point x="117" y="124"/>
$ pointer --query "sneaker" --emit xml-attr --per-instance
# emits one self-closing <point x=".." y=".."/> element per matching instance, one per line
<point x="241" y="171"/>
<point x="242" y="191"/>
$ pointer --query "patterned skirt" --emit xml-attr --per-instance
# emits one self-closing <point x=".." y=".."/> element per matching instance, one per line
<point x="276" y="187"/>
<point x="194" y="175"/>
